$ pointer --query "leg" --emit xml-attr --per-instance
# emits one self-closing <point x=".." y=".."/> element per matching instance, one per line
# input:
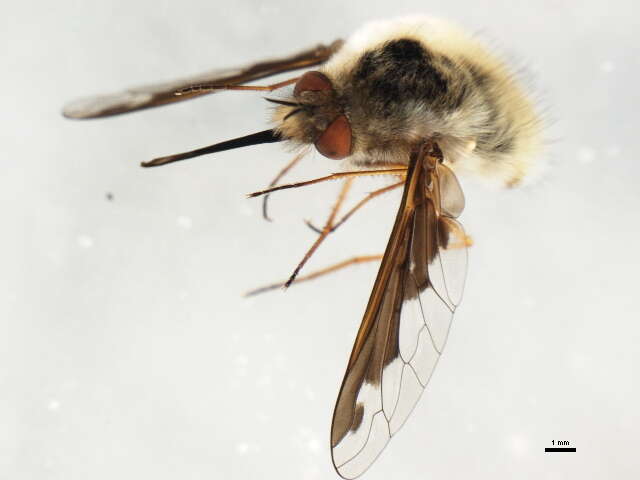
<point x="318" y="273"/>
<point x="325" y="231"/>
<point x="205" y="87"/>
<point x="281" y="174"/>
<point x="357" y="207"/>
<point x="333" y="176"/>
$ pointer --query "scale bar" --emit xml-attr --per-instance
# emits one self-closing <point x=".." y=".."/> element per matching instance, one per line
<point x="559" y="449"/>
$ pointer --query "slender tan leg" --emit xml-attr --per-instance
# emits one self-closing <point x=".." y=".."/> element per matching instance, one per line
<point x="357" y="206"/>
<point x="325" y="231"/>
<point x="333" y="176"/>
<point x="329" y="226"/>
<point x="204" y="87"/>
<point x="281" y="174"/>
<point x="318" y="273"/>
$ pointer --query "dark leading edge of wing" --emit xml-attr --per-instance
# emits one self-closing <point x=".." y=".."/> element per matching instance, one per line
<point x="148" y="96"/>
<point x="407" y="320"/>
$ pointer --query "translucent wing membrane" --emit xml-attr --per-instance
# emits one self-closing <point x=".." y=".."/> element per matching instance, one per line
<point x="451" y="196"/>
<point x="407" y="321"/>
<point x="158" y="94"/>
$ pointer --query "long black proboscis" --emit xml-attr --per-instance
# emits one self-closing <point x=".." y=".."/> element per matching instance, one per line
<point x="266" y="136"/>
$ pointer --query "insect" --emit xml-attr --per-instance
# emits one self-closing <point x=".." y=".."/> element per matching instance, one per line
<point x="415" y="98"/>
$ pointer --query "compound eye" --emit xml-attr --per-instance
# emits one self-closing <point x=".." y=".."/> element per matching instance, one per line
<point x="312" y="81"/>
<point x="335" y="141"/>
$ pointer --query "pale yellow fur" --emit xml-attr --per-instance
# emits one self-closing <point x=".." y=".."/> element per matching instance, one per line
<point x="448" y="39"/>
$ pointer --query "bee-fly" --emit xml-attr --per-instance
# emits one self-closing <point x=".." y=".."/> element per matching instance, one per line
<point x="414" y="98"/>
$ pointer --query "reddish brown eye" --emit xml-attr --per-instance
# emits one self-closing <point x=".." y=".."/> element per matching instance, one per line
<point x="335" y="141"/>
<point x="312" y="82"/>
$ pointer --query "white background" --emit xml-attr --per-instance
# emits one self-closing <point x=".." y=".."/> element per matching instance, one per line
<point x="126" y="348"/>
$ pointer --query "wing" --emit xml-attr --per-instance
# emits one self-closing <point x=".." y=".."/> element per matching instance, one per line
<point x="158" y="94"/>
<point x="407" y="320"/>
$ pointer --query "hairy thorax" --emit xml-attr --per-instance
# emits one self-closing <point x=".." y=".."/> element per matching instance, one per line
<point x="404" y="90"/>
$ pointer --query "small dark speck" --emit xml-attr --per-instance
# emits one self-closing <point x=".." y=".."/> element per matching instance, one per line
<point x="109" y="196"/>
